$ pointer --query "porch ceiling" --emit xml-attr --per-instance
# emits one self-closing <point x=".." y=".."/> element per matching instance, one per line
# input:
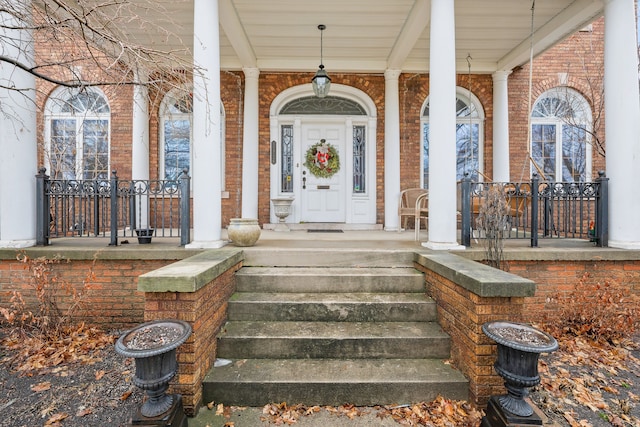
<point x="372" y="35"/>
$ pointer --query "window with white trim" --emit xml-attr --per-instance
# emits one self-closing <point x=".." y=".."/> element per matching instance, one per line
<point x="469" y="137"/>
<point x="77" y="134"/>
<point x="176" y="135"/>
<point x="560" y="136"/>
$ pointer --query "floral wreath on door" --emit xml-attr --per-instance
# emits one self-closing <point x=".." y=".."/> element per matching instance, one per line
<point x="322" y="160"/>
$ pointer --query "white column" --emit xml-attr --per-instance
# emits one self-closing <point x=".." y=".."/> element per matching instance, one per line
<point x="205" y="172"/>
<point x="442" y="128"/>
<point x="391" y="149"/>
<point x="18" y="142"/>
<point x="140" y="142"/>
<point x="622" y="131"/>
<point x="501" y="127"/>
<point x="250" y="145"/>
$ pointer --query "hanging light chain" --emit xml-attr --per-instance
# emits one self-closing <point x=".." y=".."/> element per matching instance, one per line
<point x="321" y="27"/>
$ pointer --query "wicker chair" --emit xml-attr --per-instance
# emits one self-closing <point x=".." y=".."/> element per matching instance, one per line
<point x="413" y="203"/>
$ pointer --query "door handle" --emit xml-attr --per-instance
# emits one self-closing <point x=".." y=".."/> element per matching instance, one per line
<point x="304" y="182"/>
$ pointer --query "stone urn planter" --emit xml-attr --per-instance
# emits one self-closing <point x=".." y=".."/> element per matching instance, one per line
<point x="153" y="347"/>
<point x="243" y="231"/>
<point x="282" y="209"/>
<point x="519" y="347"/>
<point x="144" y="235"/>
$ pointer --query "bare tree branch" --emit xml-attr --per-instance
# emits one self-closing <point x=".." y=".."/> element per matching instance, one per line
<point x="90" y="35"/>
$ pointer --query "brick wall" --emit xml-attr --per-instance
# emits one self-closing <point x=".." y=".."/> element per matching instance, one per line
<point x="557" y="278"/>
<point x="206" y="311"/>
<point x="461" y="314"/>
<point x="111" y="299"/>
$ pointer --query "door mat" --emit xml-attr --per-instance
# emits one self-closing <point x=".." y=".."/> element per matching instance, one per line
<point x="323" y="231"/>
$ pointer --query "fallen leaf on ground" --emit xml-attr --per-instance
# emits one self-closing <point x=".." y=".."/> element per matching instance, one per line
<point x="83" y="411"/>
<point x="44" y="386"/>
<point x="55" y="420"/>
<point x="220" y="409"/>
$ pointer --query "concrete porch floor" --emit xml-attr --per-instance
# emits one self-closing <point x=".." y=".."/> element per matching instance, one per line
<point x="356" y="239"/>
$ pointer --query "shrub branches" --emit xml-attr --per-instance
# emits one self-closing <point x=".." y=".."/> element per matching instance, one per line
<point x="598" y="311"/>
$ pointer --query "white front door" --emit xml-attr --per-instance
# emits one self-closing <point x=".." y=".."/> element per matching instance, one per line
<point x="323" y="199"/>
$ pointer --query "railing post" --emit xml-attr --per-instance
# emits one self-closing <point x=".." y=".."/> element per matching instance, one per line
<point x="465" y="206"/>
<point x="602" y="211"/>
<point x="546" y="208"/>
<point x="535" y="182"/>
<point x="185" y="211"/>
<point x="133" y="214"/>
<point x="43" y="214"/>
<point x="114" y="209"/>
<point x="97" y="195"/>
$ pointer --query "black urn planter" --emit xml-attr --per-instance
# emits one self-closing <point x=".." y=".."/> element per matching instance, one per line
<point x="153" y="347"/>
<point x="519" y="347"/>
<point x="144" y="235"/>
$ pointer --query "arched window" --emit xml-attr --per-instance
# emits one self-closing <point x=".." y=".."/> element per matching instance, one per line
<point x="77" y="134"/>
<point x="176" y="120"/>
<point x="560" y="135"/>
<point x="469" y="137"/>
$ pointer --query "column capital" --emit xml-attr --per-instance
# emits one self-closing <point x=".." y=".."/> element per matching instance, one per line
<point x="250" y="72"/>
<point x="392" y="74"/>
<point x="501" y="75"/>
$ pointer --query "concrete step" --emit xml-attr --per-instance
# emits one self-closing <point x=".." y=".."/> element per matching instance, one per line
<point x="328" y="327"/>
<point x="327" y="257"/>
<point x="332" y="307"/>
<point x="326" y="340"/>
<point x="329" y="279"/>
<point x="363" y="382"/>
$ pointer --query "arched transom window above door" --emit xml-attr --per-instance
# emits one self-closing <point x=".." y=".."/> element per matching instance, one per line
<point x="469" y="137"/>
<point x="330" y="105"/>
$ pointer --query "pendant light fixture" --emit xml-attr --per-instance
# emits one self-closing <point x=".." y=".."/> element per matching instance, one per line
<point x="321" y="81"/>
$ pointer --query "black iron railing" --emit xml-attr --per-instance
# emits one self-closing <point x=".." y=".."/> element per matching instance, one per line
<point x="112" y="208"/>
<point x="538" y="209"/>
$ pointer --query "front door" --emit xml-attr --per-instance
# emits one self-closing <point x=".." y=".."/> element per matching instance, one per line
<point x="323" y="199"/>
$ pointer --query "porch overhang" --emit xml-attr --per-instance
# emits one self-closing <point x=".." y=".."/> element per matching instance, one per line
<point x="367" y="36"/>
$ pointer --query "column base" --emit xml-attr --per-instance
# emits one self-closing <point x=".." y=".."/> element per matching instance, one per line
<point x="437" y="246"/>
<point x="212" y="244"/>
<point x="624" y="245"/>
<point x="16" y="244"/>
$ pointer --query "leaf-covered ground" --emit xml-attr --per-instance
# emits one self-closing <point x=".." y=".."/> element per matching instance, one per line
<point x="80" y="381"/>
<point x="591" y="384"/>
<point x="75" y="381"/>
